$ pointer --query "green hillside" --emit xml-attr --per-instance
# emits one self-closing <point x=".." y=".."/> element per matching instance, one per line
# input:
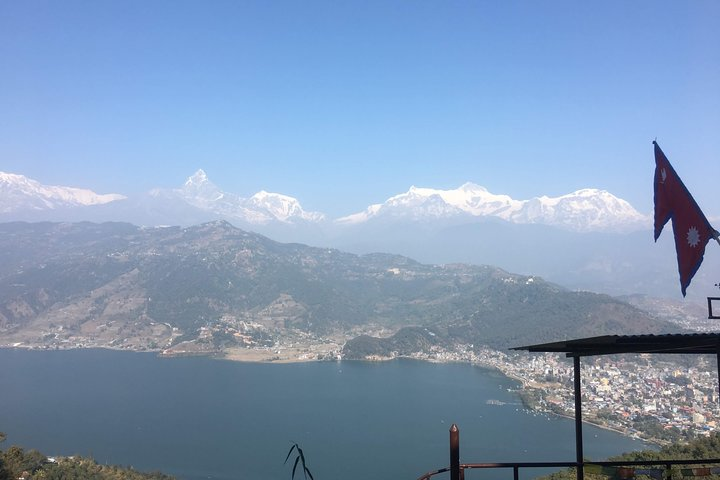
<point x="119" y="284"/>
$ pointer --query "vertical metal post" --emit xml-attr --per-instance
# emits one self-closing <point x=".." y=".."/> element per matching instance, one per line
<point x="717" y="356"/>
<point x="579" y="457"/>
<point x="454" y="453"/>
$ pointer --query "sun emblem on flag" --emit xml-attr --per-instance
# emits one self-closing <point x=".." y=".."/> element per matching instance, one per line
<point x="693" y="237"/>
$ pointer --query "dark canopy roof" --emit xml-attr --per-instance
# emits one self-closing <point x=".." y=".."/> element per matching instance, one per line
<point x="609" y="344"/>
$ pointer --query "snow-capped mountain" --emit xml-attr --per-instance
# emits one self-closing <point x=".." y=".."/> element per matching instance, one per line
<point x="260" y="209"/>
<point x="541" y="236"/>
<point x="19" y="193"/>
<point x="583" y="210"/>
<point x="281" y="207"/>
<point x="418" y="203"/>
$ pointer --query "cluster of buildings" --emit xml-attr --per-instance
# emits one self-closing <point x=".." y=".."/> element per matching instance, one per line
<point x="660" y="398"/>
<point x="655" y="397"/>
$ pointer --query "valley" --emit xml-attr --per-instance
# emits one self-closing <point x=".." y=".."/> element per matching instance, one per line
<point x="218" y="291"/>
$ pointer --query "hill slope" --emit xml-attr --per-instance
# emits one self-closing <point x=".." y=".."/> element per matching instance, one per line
<point x="119" y="285"/>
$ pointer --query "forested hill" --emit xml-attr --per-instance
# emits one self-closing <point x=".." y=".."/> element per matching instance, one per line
<point x="129" y="286"/>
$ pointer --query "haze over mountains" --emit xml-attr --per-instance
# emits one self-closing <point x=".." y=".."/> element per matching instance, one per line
<point x="588" y="239"/>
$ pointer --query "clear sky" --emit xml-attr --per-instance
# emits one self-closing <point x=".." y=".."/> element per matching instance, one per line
<point x="344" y="103"/>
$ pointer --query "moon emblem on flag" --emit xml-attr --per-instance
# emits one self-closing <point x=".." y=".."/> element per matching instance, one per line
<point x="663" y="174"/>
<point x="693" y="237"/>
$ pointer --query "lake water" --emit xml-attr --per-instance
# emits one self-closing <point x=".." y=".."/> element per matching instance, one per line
<point x="199" y="418"/>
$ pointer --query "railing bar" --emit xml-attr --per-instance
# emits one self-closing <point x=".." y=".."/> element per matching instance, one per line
<point x="520" y="465"/>
<point x="602" y="463"/>
<point x="517" y="465"/>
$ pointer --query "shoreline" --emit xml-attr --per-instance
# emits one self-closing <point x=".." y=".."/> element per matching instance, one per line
<point x="268" y="356"/>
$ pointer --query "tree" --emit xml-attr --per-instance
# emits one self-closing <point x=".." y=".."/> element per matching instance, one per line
<point x="4" y="474"/>
<point x="16" y="461"/>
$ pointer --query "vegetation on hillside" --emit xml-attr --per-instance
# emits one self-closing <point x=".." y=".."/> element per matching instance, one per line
<point x="16" y="463"/>
<point x="699" y="449"/>
<point x="702" y="448"/>
<point x="70" y="284"/>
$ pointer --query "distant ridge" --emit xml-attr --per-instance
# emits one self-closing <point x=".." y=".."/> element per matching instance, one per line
<point x="584" y="210"/>
<point x="18" y="192"/>
<point x="260" y="209"/>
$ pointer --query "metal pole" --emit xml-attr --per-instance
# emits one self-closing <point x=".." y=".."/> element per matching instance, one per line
<point x="454" y="453"/>
<point x="579" y="458"/>
<point x="717" y="356"/>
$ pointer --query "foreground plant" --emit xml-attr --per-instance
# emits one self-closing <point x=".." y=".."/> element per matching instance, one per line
<point x="299" y="459"/>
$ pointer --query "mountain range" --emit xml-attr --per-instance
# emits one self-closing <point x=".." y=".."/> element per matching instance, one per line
<point x="583" y="210"/>
<point x="21" y="194"/>
<point x="588" y="239"/>
<point x="260" y="209"/>
<point x="119" y="285"/>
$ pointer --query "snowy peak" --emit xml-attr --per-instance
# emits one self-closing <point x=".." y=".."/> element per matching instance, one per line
<point x="20" y="193"/>
<point x="583" y="210"/>
<point x="418" y="203"/>
<point x="361" y="217"/>
<point x="199" y="191"/>
<point x="260" y="209"/>
<point x="198" y="185"/>
<point x="282" y="207"/>
<point x="198" y="178"/>
<point x="472" y="199"/>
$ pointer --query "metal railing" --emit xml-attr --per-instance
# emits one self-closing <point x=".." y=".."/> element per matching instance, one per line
<point x="457" y="469"/>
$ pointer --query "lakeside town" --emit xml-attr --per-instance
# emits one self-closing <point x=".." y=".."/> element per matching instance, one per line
<point x="653" y="397"/>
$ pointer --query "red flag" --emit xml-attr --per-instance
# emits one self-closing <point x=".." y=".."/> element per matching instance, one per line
<point x="691" y="229"/>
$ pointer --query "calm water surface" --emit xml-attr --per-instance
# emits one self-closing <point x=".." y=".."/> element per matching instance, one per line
<point x="201" y="418"/>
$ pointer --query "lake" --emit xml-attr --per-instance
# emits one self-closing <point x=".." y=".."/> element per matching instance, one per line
<point x="200" y="418"/>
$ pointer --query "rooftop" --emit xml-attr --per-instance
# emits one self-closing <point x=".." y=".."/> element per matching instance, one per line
<point x="609" y="344"/>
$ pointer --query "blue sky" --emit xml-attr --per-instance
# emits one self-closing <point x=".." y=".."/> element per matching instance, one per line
<point x="345" y="103"/>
